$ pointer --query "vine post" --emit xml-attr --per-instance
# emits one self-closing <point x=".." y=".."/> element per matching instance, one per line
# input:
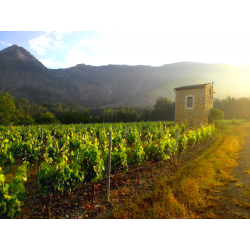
<point x="109" y="165"/>
<point x="126" y="134"/>
<point x="39" y="163"/>
<point x="176" y="138"/>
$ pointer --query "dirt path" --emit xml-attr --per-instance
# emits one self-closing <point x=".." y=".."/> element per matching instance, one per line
<point x="232" y="200"/>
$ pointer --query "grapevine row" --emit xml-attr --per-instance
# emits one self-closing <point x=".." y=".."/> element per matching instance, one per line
<point x="72" y="155"/>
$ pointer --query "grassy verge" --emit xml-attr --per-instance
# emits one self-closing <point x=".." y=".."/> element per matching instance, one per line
<point x="190" y="191"/>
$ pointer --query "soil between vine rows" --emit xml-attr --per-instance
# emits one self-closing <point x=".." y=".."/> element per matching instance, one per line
<point x="78" y="204"/>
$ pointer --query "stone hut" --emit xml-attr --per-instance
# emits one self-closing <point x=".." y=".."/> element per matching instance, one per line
<point x="193" y="104"/>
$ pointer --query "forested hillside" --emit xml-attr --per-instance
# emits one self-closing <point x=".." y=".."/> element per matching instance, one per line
<point x="23" y="76"/>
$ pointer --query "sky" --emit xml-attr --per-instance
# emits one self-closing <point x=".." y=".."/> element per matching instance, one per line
<point x="131" y="32"/>
<point x="63" y="49"/>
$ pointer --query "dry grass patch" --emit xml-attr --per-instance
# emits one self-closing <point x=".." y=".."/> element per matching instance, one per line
<point x="247" y="172"/>
<point x="238" y="185"/>
<point x="185" y="194"/>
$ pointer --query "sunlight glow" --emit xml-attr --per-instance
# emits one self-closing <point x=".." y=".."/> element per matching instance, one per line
<point x="159" y="48"/>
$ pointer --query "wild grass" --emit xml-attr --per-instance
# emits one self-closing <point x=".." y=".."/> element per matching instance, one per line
<point x="232" y="121"/>
<point x="186" y="193"/>
<point x="238" y="185"/>
<point x="221" y="124"/>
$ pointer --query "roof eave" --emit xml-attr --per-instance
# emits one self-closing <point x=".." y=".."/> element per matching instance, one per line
<point x="192" y="86"/>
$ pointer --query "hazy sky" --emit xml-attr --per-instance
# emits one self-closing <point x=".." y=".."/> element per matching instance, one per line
<point x="66" y="49"/>
<point x="212" y="31"/>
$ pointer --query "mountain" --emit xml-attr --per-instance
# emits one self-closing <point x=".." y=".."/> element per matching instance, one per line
<point x="18" y="53"/>
<point x="23" y="76"/>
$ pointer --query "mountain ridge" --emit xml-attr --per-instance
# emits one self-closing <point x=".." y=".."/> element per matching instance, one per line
<point x="16" y="52"/>
<point x="23" y="76"/>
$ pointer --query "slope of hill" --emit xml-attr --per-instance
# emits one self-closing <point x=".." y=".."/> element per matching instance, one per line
<point x="23" y="76"/>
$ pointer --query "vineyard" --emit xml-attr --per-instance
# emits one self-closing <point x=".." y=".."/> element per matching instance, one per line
<point x="60" y="158"/>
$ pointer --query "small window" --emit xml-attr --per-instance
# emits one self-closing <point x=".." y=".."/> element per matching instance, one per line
<point x="190" y="102"/>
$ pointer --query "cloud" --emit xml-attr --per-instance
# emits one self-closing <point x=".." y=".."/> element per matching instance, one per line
<point x="155" y="48"/>
<point x="159" y="48"/>
<point x="132" y="48"/>
<point x="94" y="43"/>
<point x="75" y="57"/>
<point x="47" y="62"/>
<point x="44" y="42"/>
<point x="59" y="45"/>
<point x="5" y="43"/>
<point x="60" y="65"/>
<point x="59" y="34"/>
<point x="41" y="43"/>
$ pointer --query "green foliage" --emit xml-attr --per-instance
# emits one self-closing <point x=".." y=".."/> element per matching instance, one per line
<point x="221" y="124"/>
<point x="59" y="177"/>
<point x="137" y="154"/>
<point x="163" y="109"/>
<point x="151" y="151"/>
<point x="73" y="154"/>
<point x="7" y="108"/>
<point x="215" y="114"/>
<point x="182" y="142"/>
<point x="76" y="117"/>
<point x="6" y="152"/>
<point x="23" y="119"/>
<point x="48" y="117"/>
<point x="21" y="111"/>
<point x="133" y="135"/>
<point x="238" y="108"/>
<point x="12" y="196"/>
<point x="191" y="141"/>
<point x="119" y="158"/>
<point x="89" y="158"/>
<point x="157" y="151"/>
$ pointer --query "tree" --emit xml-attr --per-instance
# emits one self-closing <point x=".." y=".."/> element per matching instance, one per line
<point x="145" y="115"/>
<point x="48" y="117"/>
<point x="215" y="114"/>
<point x="163" y="109"/>
<point x="7" y="108"/>
<point x="23" y="118"/>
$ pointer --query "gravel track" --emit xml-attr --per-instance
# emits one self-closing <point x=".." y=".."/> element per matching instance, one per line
<point x="234" y="197"/>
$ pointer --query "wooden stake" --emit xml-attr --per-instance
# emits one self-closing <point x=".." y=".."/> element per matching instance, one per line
<point x="176" y="145"/>
<point x="49" y="205"/>
<point x="116" y="182"/>
<point x="126" y="134"/>
<point x="39" y="163"/>
<point x="93" y="194"/>
<point x="109" y="165"/>
<point x="138" y="175"/>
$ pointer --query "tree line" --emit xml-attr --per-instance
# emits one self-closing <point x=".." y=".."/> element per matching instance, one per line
<point x="238" y="108"/>
<point x="21" y="111"/>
